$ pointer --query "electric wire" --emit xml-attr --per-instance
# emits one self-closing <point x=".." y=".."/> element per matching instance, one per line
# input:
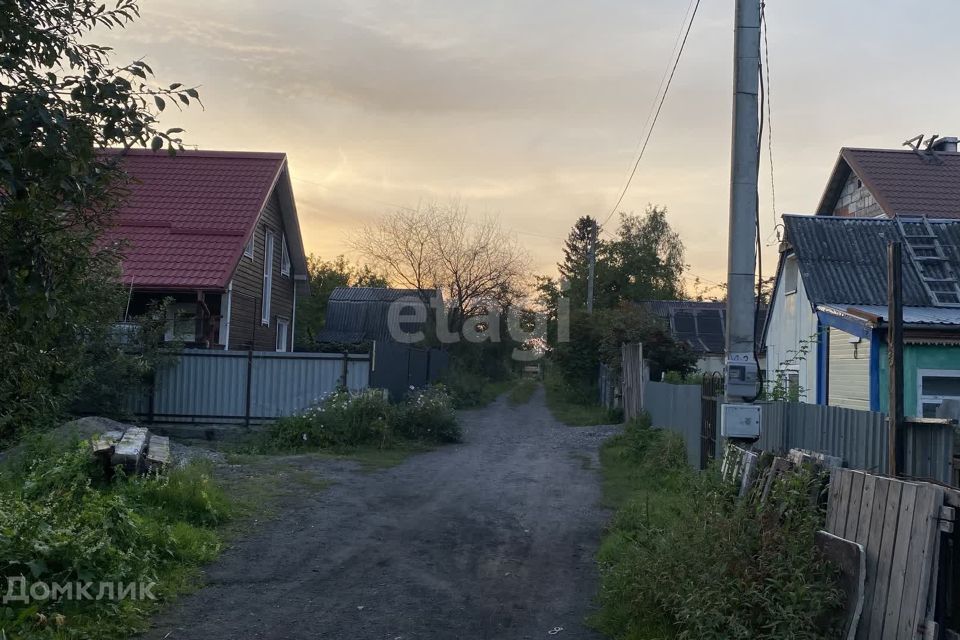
<point x="656" y="115"/>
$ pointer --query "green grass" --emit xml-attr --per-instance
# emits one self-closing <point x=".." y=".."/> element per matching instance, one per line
<point x="643" y="496"/>
<point x="522" y="391"/>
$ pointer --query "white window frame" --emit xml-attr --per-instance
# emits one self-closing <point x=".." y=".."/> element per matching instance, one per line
<point x="933" y="373"/>
<point x="284" y="257"/>
<point x="181" y="311"/>
<point x="283" y="324"/>
<point x="248" y="248"/>
<point x="267" y="278"/>
<point x="791" y="270"/>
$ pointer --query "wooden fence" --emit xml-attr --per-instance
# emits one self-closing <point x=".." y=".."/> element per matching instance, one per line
<point x="900" y="525"/>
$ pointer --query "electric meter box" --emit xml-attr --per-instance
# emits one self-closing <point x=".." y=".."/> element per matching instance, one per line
<point x="740" y="421"/>
<point x="743" y="379"/>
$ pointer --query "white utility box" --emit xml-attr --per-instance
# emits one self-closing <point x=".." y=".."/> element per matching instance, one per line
<point x="740" y="421"/>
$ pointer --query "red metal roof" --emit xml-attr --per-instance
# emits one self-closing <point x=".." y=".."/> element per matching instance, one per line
<point x="902" y="182"/>
<point x="187" y="217"/>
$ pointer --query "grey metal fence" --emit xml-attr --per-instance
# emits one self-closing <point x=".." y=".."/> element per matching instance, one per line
<point x="397" y="367"/>
<point x="247" y="386"/>
<point x="676" y="407"/>
<point x="857" y="437"/>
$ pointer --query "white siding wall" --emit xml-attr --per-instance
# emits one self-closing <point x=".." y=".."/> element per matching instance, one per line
<point x="792" y="323"/>
<point x="849" y="381"/>
<point x="710" y="364"/>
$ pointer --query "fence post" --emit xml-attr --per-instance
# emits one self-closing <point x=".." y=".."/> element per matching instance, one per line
<point x="150" y="399"/>
<point x="343" y="371"/>
<point x="246" y="418"/>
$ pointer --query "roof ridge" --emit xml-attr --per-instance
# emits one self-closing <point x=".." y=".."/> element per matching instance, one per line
<point x="199" y="153"/>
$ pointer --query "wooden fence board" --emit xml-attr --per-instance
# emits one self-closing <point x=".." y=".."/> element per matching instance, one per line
<point x="898" y="567"/>
<point x="862" y="535"/>
<point x="853" y="510"/>
<point x="924" y="537"/>
<point x="888" y="537"/>
<point x="873" y="546"/>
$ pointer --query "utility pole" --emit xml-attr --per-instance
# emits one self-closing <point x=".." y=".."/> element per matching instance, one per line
<point x="895" y="357"/>
<point x="591" y="263"/>
<point x="742" y="368"/>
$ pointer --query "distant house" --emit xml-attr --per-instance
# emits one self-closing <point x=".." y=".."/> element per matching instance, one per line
<point x="826" y="331"/>
<point x="699" y="325"/>
<point x="218" y="233"/>
<point x="871" y="183"/>
<point x="362" y="314"/>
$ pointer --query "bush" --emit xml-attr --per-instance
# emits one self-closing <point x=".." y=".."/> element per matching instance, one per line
<point x="63" y="522"/>
<point x="684" y="558"/>
<point x="368" y="418"/>
<point x="427" y="415"/>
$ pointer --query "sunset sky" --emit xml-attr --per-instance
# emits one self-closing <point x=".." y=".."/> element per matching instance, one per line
<point x="533" y="109"/>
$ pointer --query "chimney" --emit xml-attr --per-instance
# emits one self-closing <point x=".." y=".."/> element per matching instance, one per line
<point x="947" y="145"/>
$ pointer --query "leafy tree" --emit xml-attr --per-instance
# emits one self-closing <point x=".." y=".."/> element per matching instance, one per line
<point x="324" y="276"/>
<point x="61" y="100"/>
<point x="597" y="338"/>
<point x="643" y="262"/>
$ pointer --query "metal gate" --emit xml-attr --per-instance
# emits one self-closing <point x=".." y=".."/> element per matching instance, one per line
<point x="711" y="393"/>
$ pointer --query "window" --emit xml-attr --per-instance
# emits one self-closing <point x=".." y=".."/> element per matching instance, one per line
<point x="248" y="249"/>
<point x="790" y="275"/>
<point x="267" y="278"/>
<point x="284" y="257"/>
<point x="181" y="322"/>
<point x="933" y="387"/>
<point x="283" y="334"/>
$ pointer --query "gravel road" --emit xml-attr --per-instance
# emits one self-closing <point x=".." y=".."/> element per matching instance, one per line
<point x="492" y="538"/>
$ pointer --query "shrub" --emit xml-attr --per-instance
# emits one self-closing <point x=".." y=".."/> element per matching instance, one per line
<point x="700" y="563"/>
<point x="427" y="415"/>
<point x="351" y="420"/>
<point x="62" y="521"/>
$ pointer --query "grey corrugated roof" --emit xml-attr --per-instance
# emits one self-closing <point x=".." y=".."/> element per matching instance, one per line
<point x="376" y="294"/>
<point x="843" y="261"/>
<point x="361" y="314"/>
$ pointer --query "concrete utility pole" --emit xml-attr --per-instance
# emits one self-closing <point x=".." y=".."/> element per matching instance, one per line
<point x="741" y="374"/>
<point x="591" y="263"/>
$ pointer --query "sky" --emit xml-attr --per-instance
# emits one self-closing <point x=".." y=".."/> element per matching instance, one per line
<point x="532" y="110"/>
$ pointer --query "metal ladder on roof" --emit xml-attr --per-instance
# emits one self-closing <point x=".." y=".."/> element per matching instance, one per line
<point x="932" y="263"/>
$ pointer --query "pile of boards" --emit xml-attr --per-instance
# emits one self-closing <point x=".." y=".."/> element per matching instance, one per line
<point x="134" y="449"/>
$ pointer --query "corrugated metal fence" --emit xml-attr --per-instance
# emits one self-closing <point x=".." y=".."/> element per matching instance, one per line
<point x="677" y="407"/>
<point x="859" y="438"/>
<point x="247" y="386"/>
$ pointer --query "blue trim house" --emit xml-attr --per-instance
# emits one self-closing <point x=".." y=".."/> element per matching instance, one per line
<point x="826" y="331"/>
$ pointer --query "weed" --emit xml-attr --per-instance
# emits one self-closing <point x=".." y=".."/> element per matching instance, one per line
<point x="684" y="559"/>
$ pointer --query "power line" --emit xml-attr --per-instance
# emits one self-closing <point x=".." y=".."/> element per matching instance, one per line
<point x="769" y="92"/>
<point x="656" y="115"/>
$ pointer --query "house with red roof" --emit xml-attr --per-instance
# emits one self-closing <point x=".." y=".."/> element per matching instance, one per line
<point x="217" y="232"/>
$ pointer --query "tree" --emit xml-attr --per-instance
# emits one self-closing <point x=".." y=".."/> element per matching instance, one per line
<point x="576" y="254"/>
<point x="475" y="263"/>
<point x="61" y="102"/>
<point x="325" y="276"/>
<point x="643" y="262"/>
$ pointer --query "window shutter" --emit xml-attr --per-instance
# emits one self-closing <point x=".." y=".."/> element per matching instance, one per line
<point x="267" y="278"/>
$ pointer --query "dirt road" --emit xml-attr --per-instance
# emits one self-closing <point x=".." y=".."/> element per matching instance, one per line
<point x="492" y="538"/>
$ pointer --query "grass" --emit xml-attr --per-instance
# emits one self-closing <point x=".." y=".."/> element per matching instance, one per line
<point x="573" y="407"/>
<point x="637" y="492"/>
<point x="522" y="391"/>
<point x="682" y="557"/>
